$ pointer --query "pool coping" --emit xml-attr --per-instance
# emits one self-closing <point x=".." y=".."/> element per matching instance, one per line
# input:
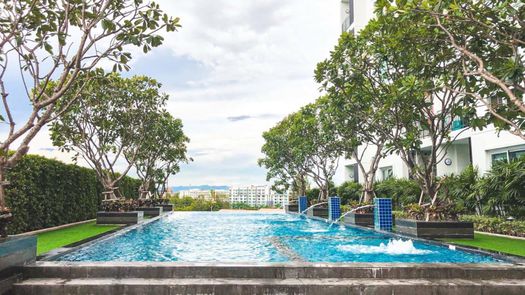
<point x="508" y="259"/>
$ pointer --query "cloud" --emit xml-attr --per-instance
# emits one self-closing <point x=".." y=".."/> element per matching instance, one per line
<point x="232" y="71"/>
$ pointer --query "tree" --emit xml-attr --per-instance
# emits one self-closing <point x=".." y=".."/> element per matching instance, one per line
<point x="160" y="156"/>
<point x="312" y="140"/>
<point x="46" y="40"/>
<point x="284" y="165"/>
<point x="421" y="93"/>
<point x="113" y="120"/>
<point x="489" y="37"/>
<point x="351" y="108"/>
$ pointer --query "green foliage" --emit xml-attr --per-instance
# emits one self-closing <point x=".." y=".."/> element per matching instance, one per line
<point x="349" y="191"/>
<point x="496" y="225"/>
<point x="462" y="190"/>
<point x="488" y="35"/>
<point x="502" y="189"/>
<point x="161" y="152"/>
<point x="191" y="204"/>
<point x="45" y="193"/>
<point x="113" y="120"/>
<point x="402" y="191"/>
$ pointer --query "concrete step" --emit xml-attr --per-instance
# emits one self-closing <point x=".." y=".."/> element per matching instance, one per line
<point x="68" y="270"/>
<point x="267" y="286"/>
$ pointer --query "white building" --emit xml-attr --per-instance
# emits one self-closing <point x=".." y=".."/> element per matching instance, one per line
<point x="479" y="148"/>
<point x="257" y="195"/>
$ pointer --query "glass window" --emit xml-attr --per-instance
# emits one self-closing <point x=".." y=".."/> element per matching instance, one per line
<point x="516" y="154"/>
<point x="499" y="157"/>
<point x="387" y="172"/>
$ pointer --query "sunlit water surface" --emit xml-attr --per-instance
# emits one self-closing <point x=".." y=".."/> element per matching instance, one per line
<point x="261" y="237"/>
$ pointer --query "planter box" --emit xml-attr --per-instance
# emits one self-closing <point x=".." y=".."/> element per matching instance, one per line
<point x="15" y="252"/>
<point x="167" y="207"/>
<point x="361" y="219"/>
<point x="320" y="212"/>
<point x="291" y="208"/>
<point x="435" y="229"/>
<point x="132" y="217"/>
<point x="151" y="211"/>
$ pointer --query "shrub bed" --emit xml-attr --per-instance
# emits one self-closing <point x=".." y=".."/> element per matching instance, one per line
<point x="496" y="225"/>
<point x="45" y="193"/>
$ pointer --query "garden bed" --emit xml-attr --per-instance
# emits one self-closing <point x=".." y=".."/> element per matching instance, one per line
<point x="166" y="207"/>
<point x="435" y="229"/>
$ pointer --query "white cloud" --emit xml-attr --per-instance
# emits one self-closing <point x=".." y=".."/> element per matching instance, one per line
<point x="232" y="59"/>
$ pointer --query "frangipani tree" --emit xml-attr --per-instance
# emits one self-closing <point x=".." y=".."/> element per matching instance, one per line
<point x="284" y="166"/>
<point x="111" y="122"/>
<point x="314" y="142"/>
<point x="351" y="107"/>
<point x="489" y="36"/>
<point x="44" y="41"/>
<point x="160" y="156"/>
<point x="420" y="93"/>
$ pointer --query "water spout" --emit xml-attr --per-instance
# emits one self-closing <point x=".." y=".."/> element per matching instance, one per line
<point x="315" y="205"/>
<point x="346" y="213"/>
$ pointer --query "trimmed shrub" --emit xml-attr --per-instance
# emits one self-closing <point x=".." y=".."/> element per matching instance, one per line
<point x="402" y="191"/>
<point x="45" y="193"/>
<point x="190" y="204"/>
<point x="496" y="225"/>
<point x="349" y="191"/>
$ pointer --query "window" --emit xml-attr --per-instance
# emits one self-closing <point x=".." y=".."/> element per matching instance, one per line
<point x="499" y="157"/>
<point x="387" y="172"/>
<point x="516" y="154"/>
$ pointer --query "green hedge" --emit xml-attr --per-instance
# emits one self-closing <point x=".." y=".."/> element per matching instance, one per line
<point x="45" y="193"/>
<point x="496" y="225"/>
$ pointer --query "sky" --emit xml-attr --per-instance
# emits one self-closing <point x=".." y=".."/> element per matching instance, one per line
<point x="232" y="71"/>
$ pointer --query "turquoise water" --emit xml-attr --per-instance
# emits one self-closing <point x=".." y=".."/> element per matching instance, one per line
<point x="261" y="237"/>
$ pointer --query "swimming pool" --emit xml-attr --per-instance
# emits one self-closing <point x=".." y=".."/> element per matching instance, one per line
<point x="261" y="237"/>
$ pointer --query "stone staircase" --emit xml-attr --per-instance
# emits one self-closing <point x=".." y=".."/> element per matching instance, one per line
<point x="297" y="278"/>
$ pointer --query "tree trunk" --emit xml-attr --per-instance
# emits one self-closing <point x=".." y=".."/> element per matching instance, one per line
<point x="368" y="189"/>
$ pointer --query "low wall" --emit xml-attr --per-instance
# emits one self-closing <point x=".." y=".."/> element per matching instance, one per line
<point x="132" y="217"/>
<point x="435" y="229"/>
<point x="320" y="212"/>
<point x="15" y="252"/>
<point x="167" y="207"/>
<point x="151" y="211"/>
<point x="361" y="219"/>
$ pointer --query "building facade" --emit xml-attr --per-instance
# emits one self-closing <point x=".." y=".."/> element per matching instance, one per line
<point x="257" y="195"/>
<point x="481" y="148"/>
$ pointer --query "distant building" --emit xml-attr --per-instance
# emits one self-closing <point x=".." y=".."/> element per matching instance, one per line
<point x="257" y="195"/>
<point x="204" y="194"/>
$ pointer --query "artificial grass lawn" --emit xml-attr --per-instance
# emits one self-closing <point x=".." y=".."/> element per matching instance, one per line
<point x="61" y="237"/>
<point x="500" y="244"/>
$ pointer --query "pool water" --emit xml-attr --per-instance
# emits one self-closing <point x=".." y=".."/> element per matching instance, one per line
<point x="261" y="237"/>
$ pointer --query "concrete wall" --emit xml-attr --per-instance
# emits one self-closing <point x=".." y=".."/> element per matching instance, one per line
<point x="15" y="252"/>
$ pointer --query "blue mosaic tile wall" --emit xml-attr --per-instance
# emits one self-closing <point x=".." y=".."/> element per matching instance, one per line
<point x="303" y="203"/>
<point x="383" y="214"/>
<point x="334" y="208"/>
